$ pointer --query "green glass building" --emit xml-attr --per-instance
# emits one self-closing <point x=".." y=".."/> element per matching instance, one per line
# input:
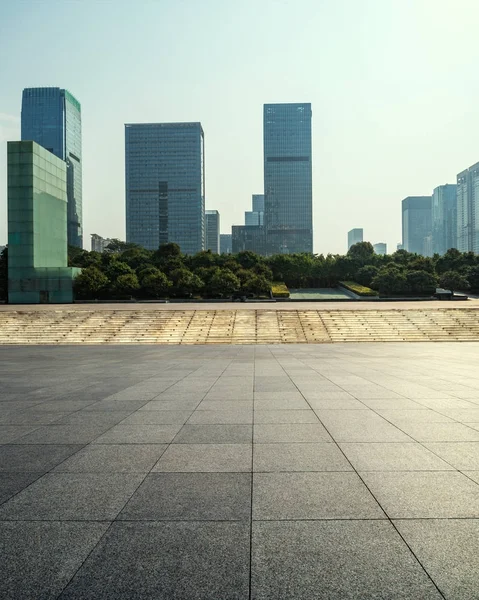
<point x="37" y="226"/>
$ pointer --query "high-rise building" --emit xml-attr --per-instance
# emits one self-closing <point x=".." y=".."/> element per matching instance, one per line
<point x="416" y="224"/>
<point x="288" y="197"/>
<point x="51" y="117"/>
<point x="249" y="237"/>
<point x="225" y="243"/>
<point x="212" y="225"/>
<point x="468" y="210"/>
<point x="444" y="218"/>
<point x="380" y="248"/>
<point x="38" y="269"/>
<point x="165" y="185"/>
<point x="98" y="243"/>
<point x="355" y="236"/>
<point x="256" y="215"/>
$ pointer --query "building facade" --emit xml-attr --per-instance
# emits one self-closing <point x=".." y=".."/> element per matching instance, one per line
<point x="51" y="117"/>
<point x="165" y="185"/>
<point x="98" y="243"/>
<point x="467" y="197"/>
<point x="256" y="215"/>
<point x="37" y="226"/>
<point x="249" y="237"/>
<point x="355" y="236"/>
<point x="212" y="227"/>
<point x="226" y="243"/>
<point x="444" y="218"/>
<point x="416" y="224"/>
<point x="380" y="248"/>
<point x="288" y="196"/>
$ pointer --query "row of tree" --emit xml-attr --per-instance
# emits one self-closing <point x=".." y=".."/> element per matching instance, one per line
<point x="126" y="270"/>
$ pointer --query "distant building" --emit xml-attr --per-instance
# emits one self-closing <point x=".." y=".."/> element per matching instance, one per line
<point x="165" y="185"/>
<point x="288" y="208"/>
<point x="226" y="243"/>
<point x="444" y="218"/>
<point x="255" y="216"/>
<point x="380" y="248"/>
<point x="51" y="117"/>
<point x="399" y="247"/>
<point x="248" y="237"/>
<point x="416" y="224"/>
<point x="354" y="237"/>
<point x="37" y="226"/>
<point x="468" y="210"/>
<point x="212" y="226"/>
<point x="98" y="243"/>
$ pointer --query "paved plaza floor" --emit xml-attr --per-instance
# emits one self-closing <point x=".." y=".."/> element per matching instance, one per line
<point x="236" y="472"/>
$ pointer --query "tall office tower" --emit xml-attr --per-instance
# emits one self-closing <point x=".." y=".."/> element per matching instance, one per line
<point x="380" y="248"/>
<point x="38" y="269"/>
<point x="98" y="243"/>
<point x="468" y="210"/>
<point x="212" y="225"/>
<point x="165" y="185"/>
<point x="225" y="243"/>
<point x="256" y="215"/>
<point x="444" y="218"/>
<point x="249" y="237"/>
<point x="51" y="117"/>
<point x="355" y="236"/>
<point x="416" y="224"/>
<point x="288" y="201"/>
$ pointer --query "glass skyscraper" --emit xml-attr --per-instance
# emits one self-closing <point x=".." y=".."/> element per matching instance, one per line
<point x="51" y="117"/>
<point x="288" y="202"/>
<point x="165" y="185"/>
<point x="212" y="228"/>
<point x="468" y="210"/>
<point x="444" y="218"/>
<point x="355" y="236"/>
<point x="416" y="224"/>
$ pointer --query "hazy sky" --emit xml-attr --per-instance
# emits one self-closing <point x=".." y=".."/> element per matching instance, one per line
<point x="393" y="84"/>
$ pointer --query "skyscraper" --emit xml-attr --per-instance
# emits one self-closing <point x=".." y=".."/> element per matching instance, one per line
<point x="165" y="185"/>
<point x="212" y="226"/>
<point x="51" y="117"/>
<point x="380" y="248"/>
<point x="225" y="243"/>
<point x="444" y="218"/>
<point x="256" y="215"/>
<point x="355" y="236"/>
<point x="287" y="178"/>
<point x="416" y="224"/>
<point x="468" y="210"/>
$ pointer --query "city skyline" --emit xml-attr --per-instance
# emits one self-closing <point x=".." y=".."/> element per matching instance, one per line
<point x="377" y="136"/>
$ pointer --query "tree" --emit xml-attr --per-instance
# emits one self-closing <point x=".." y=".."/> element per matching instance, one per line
<point x="421" y="282"/>
<point x="362" y="253"/>
<point x="248" y="259"/>
<point x="4" y="275"/>
<point x="168" y="250"/>
<point x="421" y="263"/>
<point x="390" y="280"/>
<point x="223" y="284"/>
<point x="116" y="245"/>
<point x="118" y="268"/>
<point x="452" y="280"/>
<point x="366" y="274"/>
<point x="473" y="278"/>
<point x="90" y="284"/>
<point x="256" y="284"/>
<point x="402" y="257"/>
<point x="185" y="283"/>
<point x="126" y="285"/>
<point x="154" y="283"/>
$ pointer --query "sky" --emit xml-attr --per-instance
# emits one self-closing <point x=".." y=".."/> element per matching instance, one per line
<point x="393" y="86"/>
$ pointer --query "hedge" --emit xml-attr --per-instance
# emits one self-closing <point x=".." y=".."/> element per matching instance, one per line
<point x="360" y="290"/>
<point x="279" y="290"/>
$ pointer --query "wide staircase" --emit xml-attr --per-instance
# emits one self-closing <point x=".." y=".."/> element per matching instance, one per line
<point x="97" y="326"/>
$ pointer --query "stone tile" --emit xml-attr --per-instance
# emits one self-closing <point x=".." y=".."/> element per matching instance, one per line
<point x="214" y="434"/>
<point x="178" y="561"/>
<point x="84" y="417"/>
<point x="139" y="434"/>
<point x="440" y="432"/>
<point x="449" y="551"/>
<point x="30" y="458"/>
<point x="463" y="456"/>
<point x="221" y="417"/>
<point x="113" y="458"/>
<point x="72" y="496"/>
<point x="64" y="434"/>
<point x="281" y="404"/>
<point x="115" y="405"/>
<point x="463" y="415"/>
<point x="279" y="496"/>
<point x="425" y="495"/>
<point x="334" y="560"/>
<point x="191" y="497"/>
<point x="285" y="416"/>
<point x="474" y="475"/>
<point x="225" y="405"/>
<point x="396" y="417"/>
<point x="158" y="417"/>
<point x="336" y="404"/>
<point x="278" y="395"/>
<point x="62" y="405"/>
<point x="396" y="456"/>
<point x="391" y="403"/>
<point x="290" y="432"/>
<point x="39" y="559"/>
<point x="185" y="458"/>
<point x="170" y="405"/>
<point x="28" y="417"/>
<point x="360" y="426"/>
<point x="12" y="483"/>
<point x="299" y="457"/>
<point x="332" y="396"/>
<point x="11" y="433"/>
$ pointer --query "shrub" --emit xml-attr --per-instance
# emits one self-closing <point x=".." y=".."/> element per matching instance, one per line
<point x="366" y="274"/>
<point x="421" y="282"/>
<point x="360" y="290"/>
<point x="279" y="290"/>
<point x="452" y="280"/>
